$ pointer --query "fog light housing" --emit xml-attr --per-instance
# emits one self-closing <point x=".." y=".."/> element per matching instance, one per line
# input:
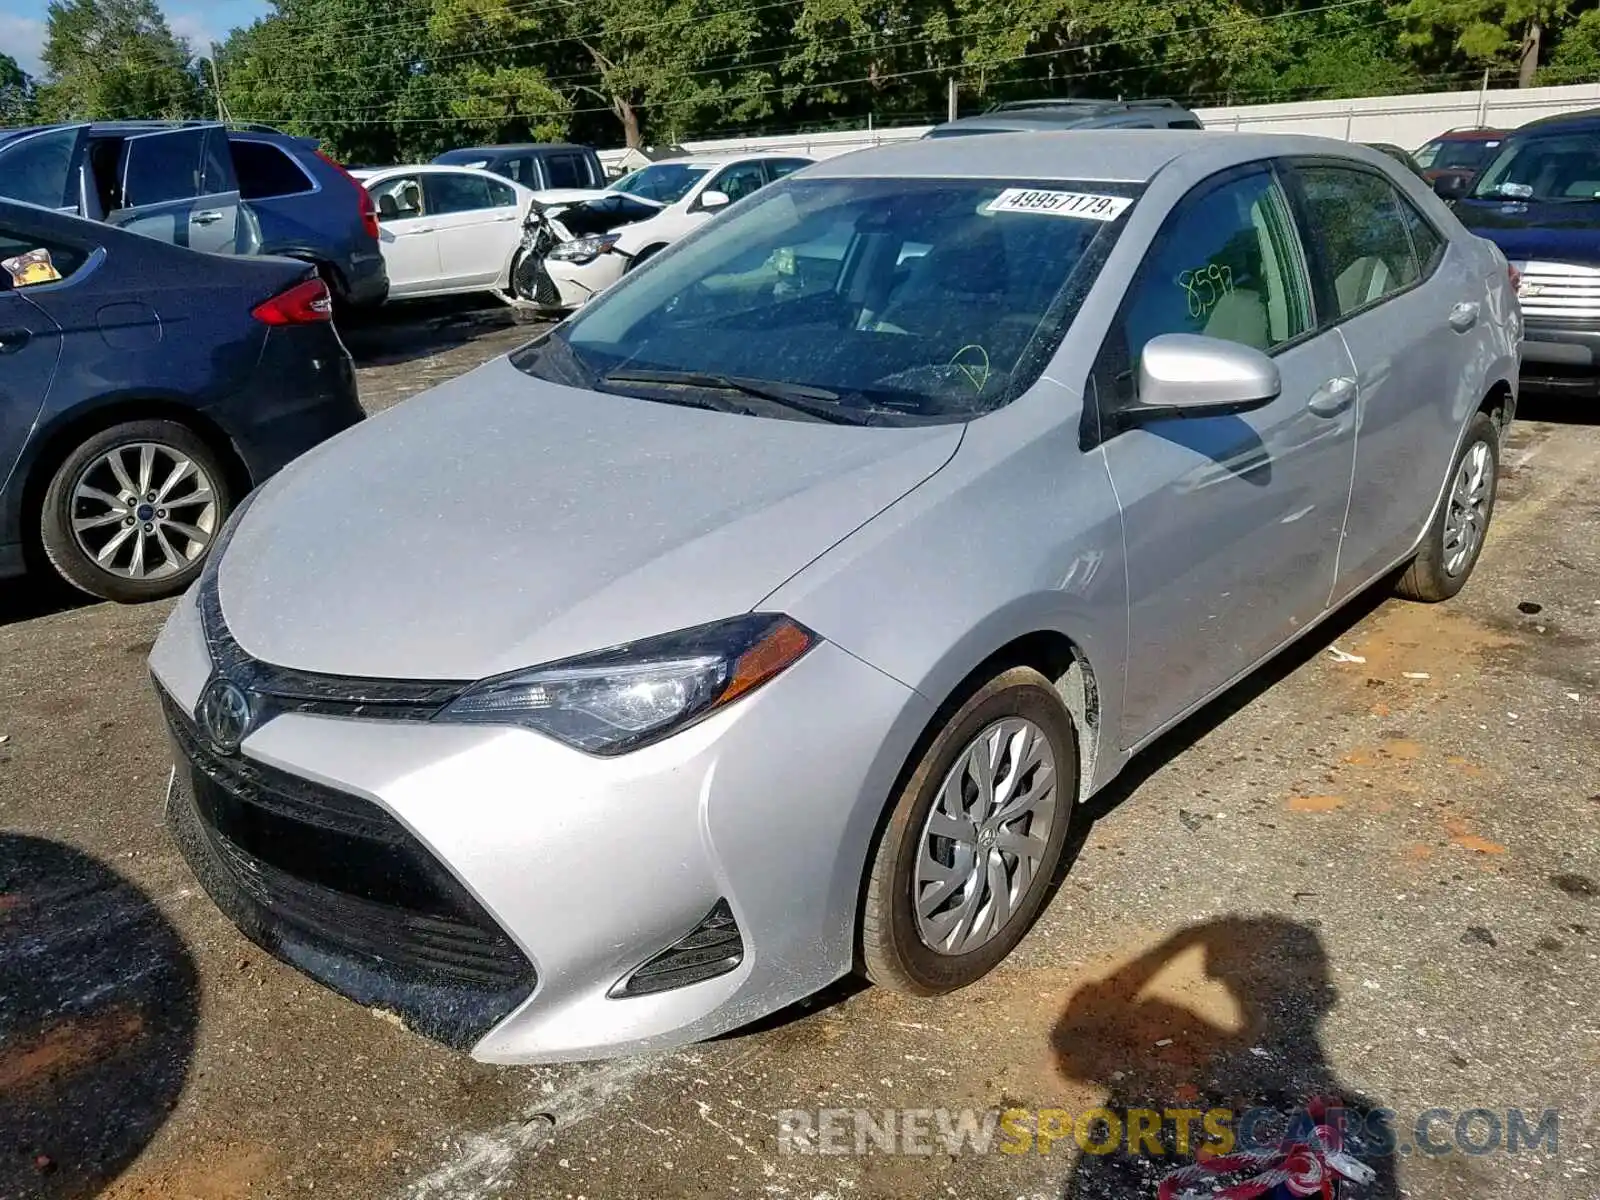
<point x="713" y="947"/>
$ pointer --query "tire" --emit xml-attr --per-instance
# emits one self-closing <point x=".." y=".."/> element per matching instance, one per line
<point x="644" y="256"/>
<point x="1454" y="540"/>
<point x="161" y="546"/>
<point x="896" y="951"/>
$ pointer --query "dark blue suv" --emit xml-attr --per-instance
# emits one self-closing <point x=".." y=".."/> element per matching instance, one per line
<point x="1539" y="200"/>
<point x="197" y="184"/>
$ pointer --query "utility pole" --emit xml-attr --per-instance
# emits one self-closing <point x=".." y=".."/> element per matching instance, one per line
<point x="952" y="105"/>
<point x="216" y="84"/>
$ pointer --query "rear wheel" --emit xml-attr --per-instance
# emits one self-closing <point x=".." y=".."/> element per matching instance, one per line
<point x="973" y="839"/>
<point x="1453" y="542"/>
<point x="131" y="513"/>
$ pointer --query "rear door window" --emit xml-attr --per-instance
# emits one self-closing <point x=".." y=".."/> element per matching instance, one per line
<point x="399" y="199"/>
<point x="1366" y="247"/>
<point x="265" y="171"/>
<point x="28" y="261"/>
<point x="566" y="171"/>
<point x="158" y="168"/>
<point x="452" y="193"/>
<point x="501" y="195"/>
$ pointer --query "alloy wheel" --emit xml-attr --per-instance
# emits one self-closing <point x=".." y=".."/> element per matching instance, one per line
<point x="144" y="511"/>
<point x="985" y="837"/>
<point x="1468" y="516"/>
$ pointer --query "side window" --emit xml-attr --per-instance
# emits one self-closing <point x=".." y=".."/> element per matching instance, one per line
<point x="1358" y="219"/>
<point x="216" y="164"/>
<point x="738" y="181"/>
<point x="564" y="171"/>
<point x="399" y="198"/>
<point x="1427" y="241"/>
<point x="777" y="168"/>
<point x="26" y="261"/>
<point x="520" y="169"/>
<point x="265" y="171"/>
<point x="452" y="193"/>
<point x="501" y="195"/>
<point x="1228" y="264"/>
<point x="38" y="169"/>
<point x="161" y="167"/>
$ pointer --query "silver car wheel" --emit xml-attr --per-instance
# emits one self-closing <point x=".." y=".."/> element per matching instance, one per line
<point x="1469" y="508"/>
<point x="985" y="837"/>
<point x="144" y="511"/>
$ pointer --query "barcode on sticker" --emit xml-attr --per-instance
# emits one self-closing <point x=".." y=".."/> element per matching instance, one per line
<point x="1084" y="205"/>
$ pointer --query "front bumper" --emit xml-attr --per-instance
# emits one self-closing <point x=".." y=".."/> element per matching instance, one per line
<point x="1561" y="359"/>
<point x="590" y="867"/>
<point x="578" y="283"/>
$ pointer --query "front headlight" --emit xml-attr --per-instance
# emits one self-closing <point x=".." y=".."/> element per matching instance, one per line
<point x="617" y="700"/>
<point x="585" y="249"/>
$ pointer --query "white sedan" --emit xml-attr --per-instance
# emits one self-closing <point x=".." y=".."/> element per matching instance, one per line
<point x="448" y="230"/>
<point x="693" y="190"/>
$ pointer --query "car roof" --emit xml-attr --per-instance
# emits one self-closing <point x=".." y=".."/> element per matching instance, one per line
<point x="1584" y="119"/>
<point x="507" y="148"/>
<point x="1470" y="135"/>
<point x="722" y="160"/>
<point x="1105" y="155"/>
<point x="375" y="174"/>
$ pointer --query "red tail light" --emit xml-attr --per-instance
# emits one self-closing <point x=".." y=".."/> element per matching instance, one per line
<point x="369" y="211"/>
<point x="304" y="304"/>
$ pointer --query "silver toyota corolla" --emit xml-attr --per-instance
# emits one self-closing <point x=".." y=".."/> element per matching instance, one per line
<point x="771" y="619"/>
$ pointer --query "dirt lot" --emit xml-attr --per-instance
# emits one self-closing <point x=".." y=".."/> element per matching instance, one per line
<point x="1377" y="877"/>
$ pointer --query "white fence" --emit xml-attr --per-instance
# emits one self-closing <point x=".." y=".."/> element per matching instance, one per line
<point x="1407" y="121"/>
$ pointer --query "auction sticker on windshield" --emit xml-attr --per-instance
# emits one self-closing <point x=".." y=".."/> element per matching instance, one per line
<point x="1084" y="205"/>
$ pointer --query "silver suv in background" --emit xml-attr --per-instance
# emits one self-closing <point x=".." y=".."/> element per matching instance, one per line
<point x="804" y="583"/>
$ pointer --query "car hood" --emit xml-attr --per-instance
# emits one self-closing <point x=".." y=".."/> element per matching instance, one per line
<point x="1562" y="232"/>
<point x="501" y="521"/>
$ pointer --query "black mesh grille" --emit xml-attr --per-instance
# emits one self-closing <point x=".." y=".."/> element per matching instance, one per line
<point x="545" y="291"/>
<point x="333" y="884"/>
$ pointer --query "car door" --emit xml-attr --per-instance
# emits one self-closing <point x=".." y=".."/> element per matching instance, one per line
<point x="40" y="168"/>
<point x="476" y="220"/>
<point x="30" y="341"/>
<point x="1408" y="308"/>
<point x="177" y="186"/>
<point x="1231" y="523"/>
<point x="406" y="235"/>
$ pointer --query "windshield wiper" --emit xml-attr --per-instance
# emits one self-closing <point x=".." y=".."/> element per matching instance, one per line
<point x="813" y="401"/>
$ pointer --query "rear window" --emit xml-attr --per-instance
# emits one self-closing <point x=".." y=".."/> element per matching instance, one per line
<point x="566" y="171"/>
<point x="1445" y="155"/>
<point x="912" y="299"/>
<point x="265" y="171"/>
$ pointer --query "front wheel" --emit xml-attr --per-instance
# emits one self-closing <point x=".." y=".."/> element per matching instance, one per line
<point x="1454" y="540"/>
<point x="131" y="513"/>
<point x="974" y="837"/>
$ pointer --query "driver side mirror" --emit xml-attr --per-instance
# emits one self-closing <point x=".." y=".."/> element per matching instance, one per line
<point x="1189" y="375"/>
<point x="1452" y="186"/>
<point x="711" y="198"/>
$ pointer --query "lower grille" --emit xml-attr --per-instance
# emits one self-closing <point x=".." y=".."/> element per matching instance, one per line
<point x="334" y="885"/>
<point x="545" y="291"/>
<point x="713" y="947"/>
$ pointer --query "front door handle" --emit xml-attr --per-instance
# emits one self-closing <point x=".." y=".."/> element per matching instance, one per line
<point x="12" y="340"/>
<point x="1333" y="397"/>
<point x="1464" y="316"/>
<point x="210" y="217"/>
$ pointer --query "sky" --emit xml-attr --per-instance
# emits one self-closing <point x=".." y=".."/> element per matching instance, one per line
<point x="22" y="24"/>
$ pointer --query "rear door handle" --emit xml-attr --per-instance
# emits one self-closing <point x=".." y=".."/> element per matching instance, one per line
<point x="12" y="340"/>
<point x="210" y="217"/>
<point x="1333" y="397"/>
<point x="1464" y="316"/>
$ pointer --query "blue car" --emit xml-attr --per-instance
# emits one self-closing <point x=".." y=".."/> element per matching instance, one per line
<point x="1539" y="201"/>
<point x="144" y="389"/>
<point x="248" y="190"/>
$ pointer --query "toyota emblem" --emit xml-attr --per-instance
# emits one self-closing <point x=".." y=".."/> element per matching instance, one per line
<point x="225" y="715"/>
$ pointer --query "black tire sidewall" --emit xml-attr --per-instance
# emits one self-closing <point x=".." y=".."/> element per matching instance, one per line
<point x="1443" y="583"/>
<point x="55" y="518"/>
<point x="1019" y="692"/>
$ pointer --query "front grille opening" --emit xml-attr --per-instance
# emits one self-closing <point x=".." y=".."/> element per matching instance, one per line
<point x="713" y="947"/>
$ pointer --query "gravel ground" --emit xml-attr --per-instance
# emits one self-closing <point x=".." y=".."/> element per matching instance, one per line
<point x="1377" y="877"/>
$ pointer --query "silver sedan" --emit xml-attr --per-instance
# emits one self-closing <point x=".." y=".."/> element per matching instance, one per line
<point x="773" y="618"/>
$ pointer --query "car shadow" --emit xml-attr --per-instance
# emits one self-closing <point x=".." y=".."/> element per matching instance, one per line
<point x="99" y="1003"/>
<point x="1239" y="1080"/>
<point x="411" y="329"/>
<point x="36" y="595"/>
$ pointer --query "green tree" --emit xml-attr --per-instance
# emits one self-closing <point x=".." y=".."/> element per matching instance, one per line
<point x="115" y="58"/>
<point x="1481" y="33"/>
<point x="1576" y="58"/>
<point x="16" y="92"/>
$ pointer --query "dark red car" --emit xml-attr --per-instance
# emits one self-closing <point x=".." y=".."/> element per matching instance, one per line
<point x="1458" y="152"/>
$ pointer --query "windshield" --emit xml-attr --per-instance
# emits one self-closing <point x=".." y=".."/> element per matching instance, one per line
<point x="1550" y="168"/>
<point x="1445" y="155"/>
<point x="904" y="300"/>
<point x="664" y="182"/>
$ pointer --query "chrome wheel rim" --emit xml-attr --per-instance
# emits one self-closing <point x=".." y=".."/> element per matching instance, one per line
<point x="985" y="838"/>
<point x="144" y="511"/>
<point x="1468" y="516"/>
